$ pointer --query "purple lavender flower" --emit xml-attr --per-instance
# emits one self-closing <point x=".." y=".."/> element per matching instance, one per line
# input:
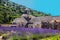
<point x="23" y="31"/>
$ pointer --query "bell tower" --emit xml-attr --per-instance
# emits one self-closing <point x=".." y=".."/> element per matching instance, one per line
<point x="27" y="13"/>
<point x="27" y="17"/>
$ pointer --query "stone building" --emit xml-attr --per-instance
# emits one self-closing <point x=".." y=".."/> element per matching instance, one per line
<point x="28" y="20"/>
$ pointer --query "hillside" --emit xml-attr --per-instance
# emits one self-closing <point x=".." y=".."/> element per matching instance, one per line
<point x="10" y="10"/>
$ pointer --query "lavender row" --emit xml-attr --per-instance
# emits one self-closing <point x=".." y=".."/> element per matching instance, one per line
<point x="31" y="30"/>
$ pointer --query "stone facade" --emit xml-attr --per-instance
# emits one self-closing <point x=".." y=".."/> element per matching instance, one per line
<point x="36" y="22"/>
<point x="28" y="20"/>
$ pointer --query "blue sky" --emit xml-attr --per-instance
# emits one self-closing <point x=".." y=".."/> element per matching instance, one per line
<point x="47" y="6"/>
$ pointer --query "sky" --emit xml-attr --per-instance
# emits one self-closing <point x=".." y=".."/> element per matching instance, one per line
<point x="47" y="6"/>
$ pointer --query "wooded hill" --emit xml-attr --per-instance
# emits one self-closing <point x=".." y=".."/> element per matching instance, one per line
<point x="10" y="10"/>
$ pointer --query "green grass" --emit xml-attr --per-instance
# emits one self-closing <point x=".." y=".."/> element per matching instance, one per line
<point x="57" y="37"/>
<point x="35" y="37"/>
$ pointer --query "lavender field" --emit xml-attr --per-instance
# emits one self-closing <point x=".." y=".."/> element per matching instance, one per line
<point x="18" y="33"/>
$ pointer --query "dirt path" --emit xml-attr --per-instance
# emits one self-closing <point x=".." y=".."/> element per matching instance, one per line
<point x="4" y="35"/>
<point x="1" y="37"/>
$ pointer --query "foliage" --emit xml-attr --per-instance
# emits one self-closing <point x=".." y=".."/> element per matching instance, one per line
<point x="10" y="10"/>
<point x="57" y="37"/>
<point x="18" y="33"/>
<point x="36" y="37"/>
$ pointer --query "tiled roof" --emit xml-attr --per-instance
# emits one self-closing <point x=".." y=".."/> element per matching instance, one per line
<point x="39" y="19"/>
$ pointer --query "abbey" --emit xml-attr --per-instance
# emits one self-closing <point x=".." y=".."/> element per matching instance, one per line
<point x="27" y="20"/>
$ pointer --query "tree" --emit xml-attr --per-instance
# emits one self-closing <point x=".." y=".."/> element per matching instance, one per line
<point x="1" y="18"/>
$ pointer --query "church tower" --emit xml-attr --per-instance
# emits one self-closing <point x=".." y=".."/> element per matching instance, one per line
<point x="27" y="11"/>
<point x="26" y="14"/>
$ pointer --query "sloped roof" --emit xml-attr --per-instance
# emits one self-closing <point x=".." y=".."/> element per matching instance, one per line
<point x="17" y="20"/>
<point x="46" y="18"/>
<point x="38" y="19"/>
<point x="56" y="18"/>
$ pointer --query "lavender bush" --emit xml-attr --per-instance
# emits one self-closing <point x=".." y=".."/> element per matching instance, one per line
<point x="29" y="32"/>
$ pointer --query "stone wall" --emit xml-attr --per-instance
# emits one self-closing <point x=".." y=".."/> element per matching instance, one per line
<point x="40" y="22"/>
